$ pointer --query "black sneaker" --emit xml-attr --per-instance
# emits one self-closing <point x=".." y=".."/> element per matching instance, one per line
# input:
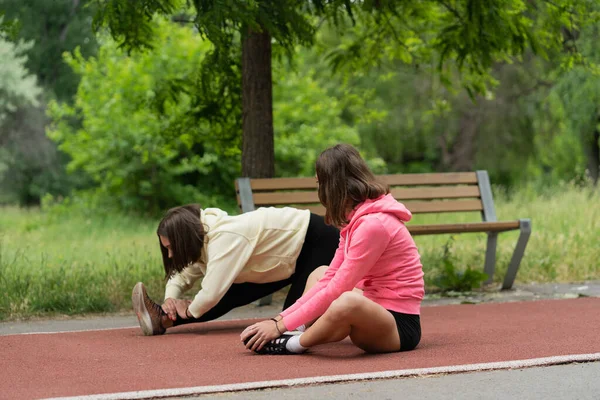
<point x="277" y="346"/>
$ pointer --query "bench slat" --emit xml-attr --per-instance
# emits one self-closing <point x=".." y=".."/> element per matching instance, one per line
<point x="283" y="183"/>
<point x="283" y="198"/>
<point x="286" y="198"/>
<point x="417" y="207"/>
<point x="460" y="228"/>
<point x="447" y="192"/>
<point x="446" y="178"/>
<point x="422" y="207"/>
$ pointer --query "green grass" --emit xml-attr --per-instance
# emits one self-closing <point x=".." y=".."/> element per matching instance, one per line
<point x="70" y="262"/>
<point x="564" y="245"/>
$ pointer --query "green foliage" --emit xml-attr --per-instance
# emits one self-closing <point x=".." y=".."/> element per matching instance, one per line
<point x="226" y="25"/>
<point x="17" y="86"/>
<point x="141" y="139"/>
<point x="422" y="122"/>
<point x="53" y="27"/>
<point x="24" y="158"/>
<point x="516" y="130"/>
<point x="307" y="120"/>
<point x="288" y="22"/>
<point x="467" y="37"/>
<point x="31" y="163"/>
<point x="223" y="24"/>
<point x="33" y="166"/>
<point x="416" y="125"/>
<point x="8" y="28"/>
<point x="572" y="117"/>
<point x="154" y="133"/>
<point x="451" y="279"/>
<point x="444" y="33"/>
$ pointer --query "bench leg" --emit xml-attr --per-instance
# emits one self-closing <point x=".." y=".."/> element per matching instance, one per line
<point x="265" y="301"/>
<point x="490" y="257"/>
<point x="513" y="267"/>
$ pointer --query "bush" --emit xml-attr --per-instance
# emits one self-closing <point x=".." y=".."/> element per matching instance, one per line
<point x="138" y="139"/>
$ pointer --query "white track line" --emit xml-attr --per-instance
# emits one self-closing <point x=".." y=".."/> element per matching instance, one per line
<point x="73" y="331"/>
<point x="236" y="320"/>
<point x="198" y="390"/>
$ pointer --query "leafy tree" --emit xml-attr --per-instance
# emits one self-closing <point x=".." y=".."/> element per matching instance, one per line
<point x="576" y="97"/>
<point x="308" y="119"/>
<point x="428" y="124"/>
<point x="53" y="27"/>
<point x="17" y="86"/>
<point x="34" y="166"/>
<point x="18" y="90"/>
<point x="136" y="140"/>
<point x="142" y="142"/>
<point x="447" y="32"/>
<point x="8" y="28"/>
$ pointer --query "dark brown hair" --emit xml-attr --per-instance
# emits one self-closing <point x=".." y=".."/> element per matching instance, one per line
<point x="345" y="181"/>
<point x="184" y="229"/>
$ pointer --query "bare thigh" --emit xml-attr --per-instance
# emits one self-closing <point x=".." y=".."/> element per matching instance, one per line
<point x="316" y="276"/>
<point x="372" y="327"/>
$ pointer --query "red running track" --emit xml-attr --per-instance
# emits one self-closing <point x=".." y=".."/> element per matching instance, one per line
<point x="122" y="360"/>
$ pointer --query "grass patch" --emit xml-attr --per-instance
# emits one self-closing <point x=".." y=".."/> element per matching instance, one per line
<point x="74" y="262"/>
<point x="563" y="246"/>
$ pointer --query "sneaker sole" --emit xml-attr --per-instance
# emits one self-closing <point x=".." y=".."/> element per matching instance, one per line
<point x="137" y="297"/>
<point x="293" y="333"/>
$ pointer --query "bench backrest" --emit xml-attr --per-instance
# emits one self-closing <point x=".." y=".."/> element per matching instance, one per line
<point x="421" y="193"/>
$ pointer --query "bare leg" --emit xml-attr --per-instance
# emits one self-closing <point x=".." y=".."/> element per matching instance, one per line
<point x="316" y="276"/>
<point x="313" y="278"/>
<point x="370" y="326"/>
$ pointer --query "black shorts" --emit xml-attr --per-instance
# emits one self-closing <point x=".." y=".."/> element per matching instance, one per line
<point x="409" y="329"/>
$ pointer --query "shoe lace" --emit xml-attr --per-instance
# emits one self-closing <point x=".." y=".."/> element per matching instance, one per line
<point x="153" y="306"/>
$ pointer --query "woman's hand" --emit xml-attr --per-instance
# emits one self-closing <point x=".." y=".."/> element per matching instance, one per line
<point x="260" y="334"/>
<point x="170" y="309"/>
<point x="175" y="307"/>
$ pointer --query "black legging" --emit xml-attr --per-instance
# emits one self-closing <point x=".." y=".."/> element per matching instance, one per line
<point x="318" y="249"/>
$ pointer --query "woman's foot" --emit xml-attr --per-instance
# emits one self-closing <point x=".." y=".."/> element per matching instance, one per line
<point x="153" y="320"/>
<point x="285" y="344"/>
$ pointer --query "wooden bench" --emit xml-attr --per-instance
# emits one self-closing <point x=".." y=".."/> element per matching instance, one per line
<point x="421" y="193"/>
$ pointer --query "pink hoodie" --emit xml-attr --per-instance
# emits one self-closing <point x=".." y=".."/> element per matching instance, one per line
<point x="376" y="254"/>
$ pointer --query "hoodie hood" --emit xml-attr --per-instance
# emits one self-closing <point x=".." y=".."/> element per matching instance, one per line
<point x="211" y="216"/>
<point x="385" y="204"/>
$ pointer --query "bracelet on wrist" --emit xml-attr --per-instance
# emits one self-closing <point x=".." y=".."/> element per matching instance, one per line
<point x="277" y="325"/>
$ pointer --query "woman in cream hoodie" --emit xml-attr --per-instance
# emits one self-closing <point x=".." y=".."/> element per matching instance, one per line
<point x="240" y="259"/>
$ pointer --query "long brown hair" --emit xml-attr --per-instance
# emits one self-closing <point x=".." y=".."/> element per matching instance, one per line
<point x="345" y="181"/>
<point x="184" y="229"/>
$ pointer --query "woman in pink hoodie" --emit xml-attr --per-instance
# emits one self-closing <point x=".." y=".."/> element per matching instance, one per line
<point x="376" y="255"/>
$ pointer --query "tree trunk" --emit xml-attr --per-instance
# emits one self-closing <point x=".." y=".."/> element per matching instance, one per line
<point x="594" y="155"/>
<point x="258" y="149"/>
<point x="459" y="154"/>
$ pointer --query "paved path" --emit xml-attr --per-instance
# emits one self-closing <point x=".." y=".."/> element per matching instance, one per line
<point x="529" y="292"/>
<point x="208" y="357"/>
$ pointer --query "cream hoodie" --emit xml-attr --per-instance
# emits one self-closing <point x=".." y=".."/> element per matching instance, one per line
<point x="259" y="246"/>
